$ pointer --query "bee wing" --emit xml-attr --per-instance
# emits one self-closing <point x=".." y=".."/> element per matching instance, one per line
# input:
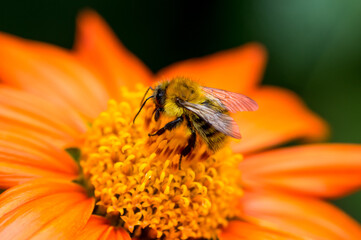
<point x="234" y="102"/>
<point x="222" y="122"/>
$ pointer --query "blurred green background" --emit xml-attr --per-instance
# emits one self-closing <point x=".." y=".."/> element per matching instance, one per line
<point x="314" y="46"/>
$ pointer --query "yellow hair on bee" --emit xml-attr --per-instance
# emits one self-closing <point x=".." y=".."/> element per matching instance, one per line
<point x="171" y="109"/>
<point x="184" y="89"/>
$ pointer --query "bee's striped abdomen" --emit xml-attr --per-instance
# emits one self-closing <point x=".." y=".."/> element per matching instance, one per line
<point x="213" y="138"/>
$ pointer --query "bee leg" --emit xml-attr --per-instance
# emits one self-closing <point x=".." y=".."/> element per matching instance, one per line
<point x="157" y="114"/>
<point x="155" y="109"/>
<point x="188" y="148"/>
<point x="169" y="126"/>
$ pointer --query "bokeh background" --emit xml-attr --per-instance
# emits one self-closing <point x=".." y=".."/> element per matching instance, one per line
<point x="314" y="46"/>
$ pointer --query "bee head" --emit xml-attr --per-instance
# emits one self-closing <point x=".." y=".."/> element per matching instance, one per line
<point x="158" y="97"/>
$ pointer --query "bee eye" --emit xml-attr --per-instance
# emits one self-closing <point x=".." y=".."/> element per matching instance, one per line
<point x="160" y="97"/>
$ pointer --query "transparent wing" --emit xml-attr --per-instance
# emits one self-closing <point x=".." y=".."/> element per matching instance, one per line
<point x="234" y="102"/>
<point x="222" y="122"/>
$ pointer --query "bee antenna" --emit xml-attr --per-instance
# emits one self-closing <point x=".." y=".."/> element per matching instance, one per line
<point x="142" y="107"/>
<point x="146" y="92"/>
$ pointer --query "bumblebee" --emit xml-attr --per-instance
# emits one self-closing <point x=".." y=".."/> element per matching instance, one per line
<point x="205" y="110"/>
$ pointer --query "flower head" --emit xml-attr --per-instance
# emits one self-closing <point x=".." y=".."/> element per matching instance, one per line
<point x="137" y="182"/>
<point x="125" y="184"/>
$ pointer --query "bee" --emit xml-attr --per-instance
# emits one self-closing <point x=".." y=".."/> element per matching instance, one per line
<point x="205" y="111"/>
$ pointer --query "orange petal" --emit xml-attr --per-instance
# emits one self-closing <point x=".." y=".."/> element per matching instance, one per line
<point x="44" y="209"/>
<point x="281" y="117"/>
<point x="322" y="170"/>
<point x="24" y="156"/>
<point x="305" y="217"/>
<point x="23" y="110"/>
<point x="98" y="46"/>
<point x="99" y="228"/>
<point x="237" y="70"/>
<point x="51" y="73"/>
<point x="246" y="231"/>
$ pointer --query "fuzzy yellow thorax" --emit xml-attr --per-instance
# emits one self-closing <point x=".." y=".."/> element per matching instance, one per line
<point x="137" y="183"/>
<point x="185" y="89"/>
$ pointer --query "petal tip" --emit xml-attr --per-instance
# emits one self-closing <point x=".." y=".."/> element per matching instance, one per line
<point x="257" y="49"/>
<point x="88" y="15"/>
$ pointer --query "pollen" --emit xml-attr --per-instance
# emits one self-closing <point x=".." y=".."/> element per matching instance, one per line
<point x="139" y="185"/>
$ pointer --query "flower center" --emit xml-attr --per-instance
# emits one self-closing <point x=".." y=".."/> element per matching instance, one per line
<point x="137" y="182"/>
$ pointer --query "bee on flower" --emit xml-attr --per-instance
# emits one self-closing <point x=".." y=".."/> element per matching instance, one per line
<point x="122" y="184"/>
<point x="204" y="110"/>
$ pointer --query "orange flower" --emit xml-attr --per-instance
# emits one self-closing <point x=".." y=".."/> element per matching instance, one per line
<point x="52" y="99"/>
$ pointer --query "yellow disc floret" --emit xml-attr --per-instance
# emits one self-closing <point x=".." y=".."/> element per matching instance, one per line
<point x="137" y="183"/>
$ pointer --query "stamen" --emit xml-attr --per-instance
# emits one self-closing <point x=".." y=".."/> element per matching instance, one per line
<point x="137" y="182"/>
